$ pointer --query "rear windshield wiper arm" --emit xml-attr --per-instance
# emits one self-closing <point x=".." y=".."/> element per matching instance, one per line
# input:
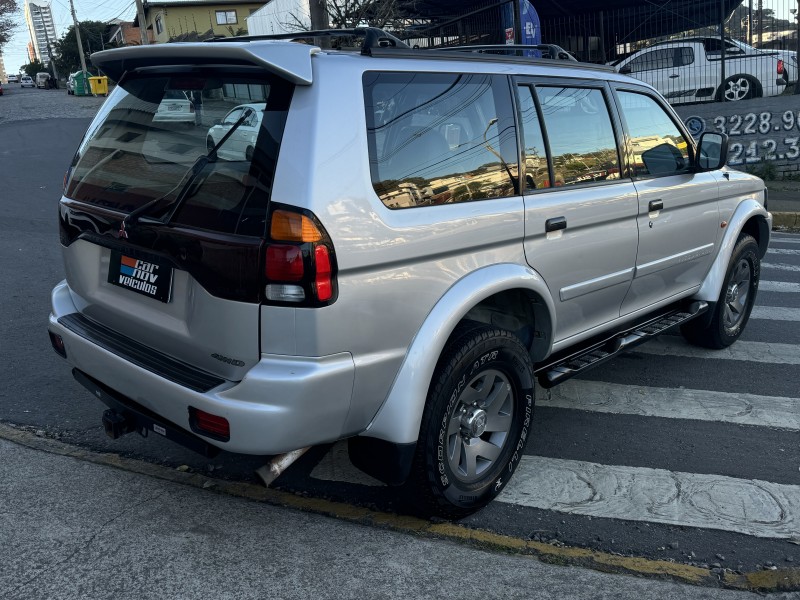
<point x="189" y="176"/>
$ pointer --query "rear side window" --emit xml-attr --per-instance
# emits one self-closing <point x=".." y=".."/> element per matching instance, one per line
<point x="657" y="145"/>
<point x="582" y="142"/>
<point x="153" y="130"/>
<point x="438" y="138"/>
<point x="656" y="59"/>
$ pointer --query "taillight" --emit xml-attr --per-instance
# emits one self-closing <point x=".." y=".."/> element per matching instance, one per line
<point x="780" y="67"/>
<point x="300" y="267"/>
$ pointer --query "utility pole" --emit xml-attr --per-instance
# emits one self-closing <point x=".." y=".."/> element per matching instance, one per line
<point x="142" y="23"/>
<point x="80" y="45"/>
<point x="318" y="11"/>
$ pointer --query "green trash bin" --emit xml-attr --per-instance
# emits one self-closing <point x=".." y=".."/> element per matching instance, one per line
<point x="76" y="84"/>
<point x="99" y="85"/>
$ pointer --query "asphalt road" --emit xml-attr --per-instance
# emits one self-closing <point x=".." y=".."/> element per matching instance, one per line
<point x="718" y="450"/>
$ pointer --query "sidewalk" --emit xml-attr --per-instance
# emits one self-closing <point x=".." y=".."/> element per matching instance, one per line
<point x="784" y="203"/>
<point x="74" y="529"/>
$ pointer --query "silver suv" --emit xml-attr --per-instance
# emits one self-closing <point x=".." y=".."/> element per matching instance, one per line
<point x="403" y="245"/>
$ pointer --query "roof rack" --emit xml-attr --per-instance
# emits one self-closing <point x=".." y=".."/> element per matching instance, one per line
<point x="553" y="51"/>
<point x="374" y="37"/>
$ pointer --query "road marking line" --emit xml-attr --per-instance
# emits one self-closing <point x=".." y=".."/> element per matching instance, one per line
<point x="780" y="266"/>
<point x="782" y="240"/>
<point x="790" y="252"/>
<point x="759" y="352"/>
<point x="775" y="313"/>
<point x="779" y="286"/>
<point x="752" y="507"/>
<point x="674" y="403"/>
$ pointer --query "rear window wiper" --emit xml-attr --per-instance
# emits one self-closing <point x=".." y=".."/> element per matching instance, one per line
<point x="185" y="182"/>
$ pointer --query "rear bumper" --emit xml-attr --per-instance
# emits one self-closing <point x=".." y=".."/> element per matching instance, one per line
<point x="283" y="402"/>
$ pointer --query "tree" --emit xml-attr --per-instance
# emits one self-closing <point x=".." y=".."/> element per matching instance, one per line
<point x="66" y="49"/>
<point x="7" y="10"/>
<point x="34" y="67"/>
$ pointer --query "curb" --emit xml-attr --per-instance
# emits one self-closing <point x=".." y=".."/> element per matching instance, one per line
<point x="780" y="580"/>
<point x="789" y="220"/>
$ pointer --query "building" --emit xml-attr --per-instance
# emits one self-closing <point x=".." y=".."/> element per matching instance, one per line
<point x="41" y="27"/>
<point x="280" y="16"/>
<point x="3" y="75"/>
<point x="124" y="33"/>
<point x="189" y="20"/>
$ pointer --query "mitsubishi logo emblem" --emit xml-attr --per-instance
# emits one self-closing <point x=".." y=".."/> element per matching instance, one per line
<point x="123" y="235"/>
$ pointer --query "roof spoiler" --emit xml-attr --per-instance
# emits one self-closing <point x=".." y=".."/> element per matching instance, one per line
<point x="288" y="60"/>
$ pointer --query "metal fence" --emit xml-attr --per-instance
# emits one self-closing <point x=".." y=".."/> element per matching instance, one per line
<point x="691" y="50"/>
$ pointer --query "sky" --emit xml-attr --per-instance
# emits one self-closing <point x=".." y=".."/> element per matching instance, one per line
<point x="15" y="53"/>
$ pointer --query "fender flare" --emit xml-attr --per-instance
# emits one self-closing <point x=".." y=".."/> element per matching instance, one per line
<point x="712" y="285"/>
<point x="398" y="420"/>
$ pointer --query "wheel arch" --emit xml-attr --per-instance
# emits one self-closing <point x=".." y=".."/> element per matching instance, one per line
<point x="749" y="217"/>
<point x="498" y="295"/>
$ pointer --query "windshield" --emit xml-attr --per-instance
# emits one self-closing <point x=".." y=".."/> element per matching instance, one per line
<point x="152" y="129"/>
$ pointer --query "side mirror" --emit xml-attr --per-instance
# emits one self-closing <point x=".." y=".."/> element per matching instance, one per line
<point x="626" y="70"/>
<point x="712" y="151"/>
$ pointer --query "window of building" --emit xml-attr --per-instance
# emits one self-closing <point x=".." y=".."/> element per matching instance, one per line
<point x="159" y="25"/>
<point x="537" y="175"/>
<point x="226" y="17"/>
<point x="437" y="138"/>
<point x="658" y="146"/>
<point x="580" y="133"/>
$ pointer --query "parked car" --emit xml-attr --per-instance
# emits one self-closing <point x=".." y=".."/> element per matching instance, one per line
<point x="43" y="80"/>
<point x="1" y="89"/>
<point x="26" y="81"/>
<point x="12" y="78"/>
<point x="689" y="71"/>
<point x="175" y="107"/>
<point x="241" y="144"/>
<point x="414" y="240"/>
<point x="735" y="47"/>
<point x="71" y="82"/>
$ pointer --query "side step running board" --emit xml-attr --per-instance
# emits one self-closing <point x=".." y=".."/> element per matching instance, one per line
<point x="558" y="371"/>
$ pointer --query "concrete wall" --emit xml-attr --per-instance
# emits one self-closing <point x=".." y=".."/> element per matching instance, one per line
<point x="764" y="132"/>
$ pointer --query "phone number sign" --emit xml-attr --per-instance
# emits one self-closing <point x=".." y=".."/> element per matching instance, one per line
<point x="778" y="135"/>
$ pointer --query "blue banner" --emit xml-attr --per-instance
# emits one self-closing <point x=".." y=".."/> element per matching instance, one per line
<point x="531" y="31"/>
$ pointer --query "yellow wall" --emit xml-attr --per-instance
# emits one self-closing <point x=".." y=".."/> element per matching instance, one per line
<point x="179" y="20"/>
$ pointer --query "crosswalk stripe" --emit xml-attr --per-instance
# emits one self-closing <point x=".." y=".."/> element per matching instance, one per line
<point x="674" y="403"/>
<point x="752" y="507"/>
<point x="780" y="266"/>
<point x="787" y="251"/>
<point x="779" y="286"/>
<point x="760" y="352"/>
<point x="775" y="313"/>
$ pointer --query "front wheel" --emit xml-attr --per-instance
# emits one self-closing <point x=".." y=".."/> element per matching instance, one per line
<point x="476" y="422"/>
<point x="732" y="310"/>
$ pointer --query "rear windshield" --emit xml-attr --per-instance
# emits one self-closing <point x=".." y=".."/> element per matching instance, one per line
<point x="153" y="130"/>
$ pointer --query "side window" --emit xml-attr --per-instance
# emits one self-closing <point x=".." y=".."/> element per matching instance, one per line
<point x="658" y="147"/>
<point x="656" y="59"/>
<point x="537" y="175"/>
<point x="580" y="134"/>
<point x="685" y="57"/>
<point x="439" y="138"/>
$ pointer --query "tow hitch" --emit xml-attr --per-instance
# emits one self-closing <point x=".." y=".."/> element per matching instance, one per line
<point x="116" y="425"/>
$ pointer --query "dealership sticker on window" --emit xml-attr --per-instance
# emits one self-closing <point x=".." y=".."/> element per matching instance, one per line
<point x="147" y="277"/>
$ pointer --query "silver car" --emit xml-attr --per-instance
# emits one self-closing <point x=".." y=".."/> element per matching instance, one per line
<point x="414" y="239"/>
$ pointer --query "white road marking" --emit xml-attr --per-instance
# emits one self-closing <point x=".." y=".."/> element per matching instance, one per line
<point x="790" y="252"/>
<point x="674" y="403"/>
<point x="783" y="240"/>
<point x="751" y="507"/>
<point x="775" y="313"/>
<point x="780" y="266"/>
<point x="760" y="352"/>
<point x="779" y="286"/>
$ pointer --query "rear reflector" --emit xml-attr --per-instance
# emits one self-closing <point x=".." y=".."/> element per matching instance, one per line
<point x="212" y="425"/>
<point x="58" y="344"/>
<point x="322" y="279"/>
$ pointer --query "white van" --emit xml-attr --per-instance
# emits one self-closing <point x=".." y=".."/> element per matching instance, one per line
<point x="42" y="80"/>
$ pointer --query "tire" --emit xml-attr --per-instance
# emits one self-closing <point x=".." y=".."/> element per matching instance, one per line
<point x="739" y="87"/>
<point x="475" y="424"/>
<point x="732" y="310"/>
